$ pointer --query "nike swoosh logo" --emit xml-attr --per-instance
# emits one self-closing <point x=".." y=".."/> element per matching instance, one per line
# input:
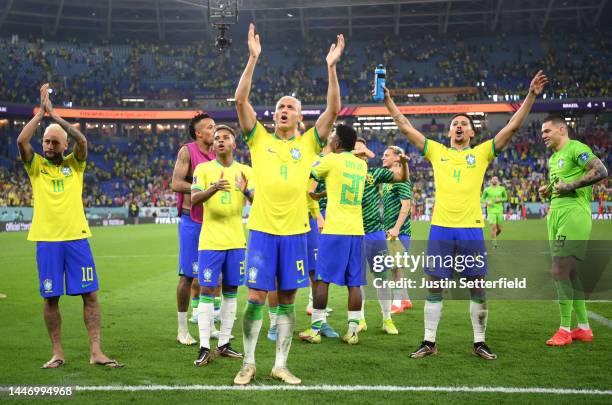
<point x="443" y="159"/>
<point x="86" y="285"/>
<point x="271" y="150"/>
<point x="301" y="280"/>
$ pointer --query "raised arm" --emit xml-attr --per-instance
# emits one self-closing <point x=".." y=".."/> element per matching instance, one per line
<point x="535" y="88"/>
<point x="80" y="142"/>
<point x="326" y="121"/>
<point x="596" y="171"/>
<point x="246" y="114"/>
<point x="413" y="135"/>
<point x="181" y="169"/>
<point x="26" y="134"/>
<point x="402" y="175"/>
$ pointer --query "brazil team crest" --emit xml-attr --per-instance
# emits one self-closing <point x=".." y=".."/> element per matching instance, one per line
<point x="48" y="285"/>
<point x="194" y="267"/>
<point x="207" y="273"/>
<point x="252" y="275"/>
<point x="66" y="171"/>
<point x="560" y="163"/>
<point x="370" y="179"/>
<point x="471" y="160"/>
<point x="295" y="154"/>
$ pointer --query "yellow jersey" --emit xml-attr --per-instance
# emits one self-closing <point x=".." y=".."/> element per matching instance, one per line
<point x="344" y="175"/>
<point x="222" y="221"/>
<point x="281" y="169"/>
<point x="57" y="195"/>
<point x="458" y="177"/>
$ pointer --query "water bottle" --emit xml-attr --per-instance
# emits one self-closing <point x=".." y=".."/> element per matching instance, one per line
<point x="379" y="82"/>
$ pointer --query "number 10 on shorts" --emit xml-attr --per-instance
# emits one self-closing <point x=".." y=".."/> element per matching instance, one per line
<point x="87" y="274"/>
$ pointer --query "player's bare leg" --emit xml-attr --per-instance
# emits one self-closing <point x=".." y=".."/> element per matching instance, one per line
<point x="251" y="326"/>
<point x="195" y="300"/>
<point x="479" y="313"/>
<point x="91" y="316"/>
<point x="53" y="320"/>
<point x="183" y="293"/>
<point x="494" y="234"/>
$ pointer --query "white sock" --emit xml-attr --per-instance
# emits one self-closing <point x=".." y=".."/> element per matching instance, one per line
<point x="353" y="318"/>
<point x="194" y="311"/>
<point x="310" y="298"/>
<point x="399" y="294"/>
<point x="250" y="335"/>
<point x="479" y="313"/>
<point x="285" y="324"/>
<point x="182" y="322"/>
<point x="205" y="314"/>
<point x="384" y="299"/>
<point x="432" y="312"/>
<point x="397" y="303"/>
<point x="584" y="326"/>
<point x="273" y="318"/>
<point x="565" y="328"/>
<point x="318" y="315"/>
<point x="228" y="314"/>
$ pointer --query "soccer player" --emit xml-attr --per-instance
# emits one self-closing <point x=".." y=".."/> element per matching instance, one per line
<point x="340" y="248"/>
<point x="222" y="244"/>
<point x="573" y="169"/>
<point x="278" y="223"/>
<point x="396" y="199"/>
<point x="375" y="239"/>
<point x="201" y="130"/>
<point x="495" y="196"/>
<point x="60" y="229"/>
<point x="457" y="222"/>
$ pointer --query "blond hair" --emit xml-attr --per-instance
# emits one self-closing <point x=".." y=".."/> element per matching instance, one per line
<point x="57" y="128"/>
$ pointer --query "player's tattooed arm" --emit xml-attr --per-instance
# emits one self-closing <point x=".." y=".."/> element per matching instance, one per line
<point x="80" y="142"/>
<point x="596" y="171"/>
<point x="535" y="88"/>
<point x="326" y="121"/>
<point x="404" y="125"/>
<point x="401" y="218"/>
<point x="181" y="170"/>
<point x="246" y="114"/>
<point x="403" y="173"/>
<point x="26" y="134"/>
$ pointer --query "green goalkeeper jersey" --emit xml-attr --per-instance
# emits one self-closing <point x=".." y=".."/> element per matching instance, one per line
<point x="569" y="164"/>
<point x="495" y="196"/>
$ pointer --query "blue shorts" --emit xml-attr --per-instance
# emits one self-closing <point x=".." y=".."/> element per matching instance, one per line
<point x="374" y="244"/>
<point x="341" y="260"/>
<point x="405" y="239"/>
<point x="229" y="263"/>
<point x="70" y="262"/>
<point x="462" y="247"/>
<point x="189" y="237"/>
<point x="313" y="244"/>
<point x="277" y="262"/>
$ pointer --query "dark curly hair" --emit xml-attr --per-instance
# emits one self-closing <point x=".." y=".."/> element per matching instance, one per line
<point x="194" y="121"/>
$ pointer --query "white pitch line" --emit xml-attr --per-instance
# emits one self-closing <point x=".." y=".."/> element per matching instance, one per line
<point x="347" y="388"/>
<point x="599" y="318"/>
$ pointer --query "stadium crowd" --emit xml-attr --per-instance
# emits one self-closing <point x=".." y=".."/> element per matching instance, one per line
<point x="137" y="167"/>
<point x="102" y="75"/>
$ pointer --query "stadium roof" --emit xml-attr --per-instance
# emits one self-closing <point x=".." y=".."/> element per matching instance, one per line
<point x="169" y="20"/>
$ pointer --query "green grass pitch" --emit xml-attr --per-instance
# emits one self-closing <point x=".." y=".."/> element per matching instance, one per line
<point x="137" y="271"/>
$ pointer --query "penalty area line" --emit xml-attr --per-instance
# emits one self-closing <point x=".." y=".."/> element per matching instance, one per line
<point x="347" y="388"/>
<point x="599" y="318"/>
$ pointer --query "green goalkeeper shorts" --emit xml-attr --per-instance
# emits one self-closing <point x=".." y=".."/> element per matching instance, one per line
<point x="495" y="217"/>
<point x="569" y="229"/>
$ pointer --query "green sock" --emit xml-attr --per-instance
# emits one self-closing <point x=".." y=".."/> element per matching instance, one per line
<point x="217" y="303"/>
<point x="579" y="303"/>
<point x="566" y="295"/>
<point x="195" y="302"/>
<point x="253" y="311"/>
<point x="205" y="299"/>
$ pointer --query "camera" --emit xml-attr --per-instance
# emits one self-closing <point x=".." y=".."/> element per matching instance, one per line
<point x="222" y="14"/>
